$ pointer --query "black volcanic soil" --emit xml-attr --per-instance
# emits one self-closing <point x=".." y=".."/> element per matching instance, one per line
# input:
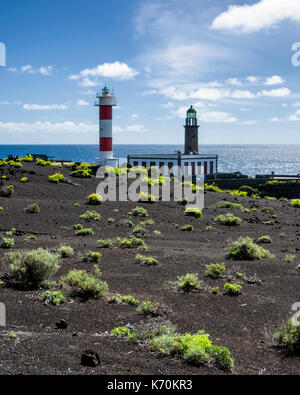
<point x="244" y="324"/>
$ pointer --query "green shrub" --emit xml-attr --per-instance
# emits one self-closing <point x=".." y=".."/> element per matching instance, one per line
<point x="140" y="212"/>
<point x="7" y="191"/>
<point x="148" y="308"/>
<point x="288" y="335"/>
<point x="193" y="212"/>
<point x="250" y="191"/>
<point x="42" y="162"/>
<point x="24" y="179"/>
<point x="232" y="289"/>
<point x="7" y="242"/>
<point x="31" y="237"/>
<point x="196" y="349"/>
<point x="56" y="178"/>
<point x="215" y="270"/>
<point x="289" y="258"/>
<point x="94" y="199"/>
<point x="213" y="188"/>
<point x="31" y="268"/>
<point x="226" y="204"/>
<point x="111" y="220"/>
<point x="245" y="249"/>
<point x="123" y="331"/>
<point x="295" y="203"/>
<point x="93" y="257"/>
<point x="85" y="232"/>
<point x="105" y="243"/>
<point x="82" y="170"/>
<point x="188" y="282"/>
<point x="77" y="227"/>
<point x="65" y="251"/>
<point x="86" y="285"/>
<point x="32" y="209"/>
<point x="270" y="222"/>
<point x="128" y="299"/>
<point x="227" y="219"/>
<point x="91" y="216"/>
<point x="147" y="197"/>
<point x="267" y="210"/>
<point x="53" y="297"/>
<point x="10" y="232"/>
<point x="141" y="259"/>
<point x="187" y="228"/>
<point x="76" y="204"/>
<point x="156" y="233"/>
<point x="264" y="240"/>
<point x="183" y="202"/>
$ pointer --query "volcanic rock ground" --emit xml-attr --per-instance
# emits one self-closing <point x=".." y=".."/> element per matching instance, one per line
<point x="244" y="324"/>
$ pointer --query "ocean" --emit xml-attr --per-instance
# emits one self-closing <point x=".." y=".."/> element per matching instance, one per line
<point x="248" y="159"/>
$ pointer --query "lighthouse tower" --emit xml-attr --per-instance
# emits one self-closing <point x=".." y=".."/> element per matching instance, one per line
<point x="106" y="102"/>
<point x="191" y="132"/>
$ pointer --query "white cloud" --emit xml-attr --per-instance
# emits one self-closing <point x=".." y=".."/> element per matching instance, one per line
<point x="130" y="128"/>
<point x="12" y="69"/>
<point x="239" y="94"/>
<point x="274" y="80"/>
<point x="261" y="15"/>
<point x="234" y="82"/>
<point x="250" y="122"/>
<point x="48" y="127"/>
<point x="81" y="102"/>
<point x="295" y="117"/>
<point x="275" y="119"/>
<point x="252" y="79"/>
<point x="134" y="116"/>
<point x="280" y="92"/>
<point x="207" y="116"/>
<point x="42" y="107"/>
<point x="29" y="69"/>
<point x="167" y="105"/>
<point x="116" y="71"/>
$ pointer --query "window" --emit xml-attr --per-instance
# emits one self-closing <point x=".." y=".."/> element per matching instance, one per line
<point x="152" y="164"/>
<point x="193" y="169"/>
<point x="186" y="169"/>
<point x="135" y="164"/>
<point x="144" y="164"/>
<point x="205" y="168"/>
<point x="211" y="167"/>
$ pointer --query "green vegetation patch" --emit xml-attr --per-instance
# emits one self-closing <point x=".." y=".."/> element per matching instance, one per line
<point x="245" y="249"/>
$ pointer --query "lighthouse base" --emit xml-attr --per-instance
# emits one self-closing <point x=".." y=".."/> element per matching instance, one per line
<point x="109" y="162"/>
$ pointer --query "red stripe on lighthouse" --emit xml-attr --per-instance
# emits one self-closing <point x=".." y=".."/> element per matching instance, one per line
<point x="106" y="112"/>
<point x="105" y="144"/>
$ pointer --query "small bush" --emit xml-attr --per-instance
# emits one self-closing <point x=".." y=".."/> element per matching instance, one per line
<point x="215" y="270"/>
<point x="77" y="227"/>
<point x="264" y="240"/>
<point x="245" y="249"/>
<point x="228" y="219"/>
<point x="289" y="258"/>
<point x="53" y="297"/>
<point x="141" y="259"/>
<point x="288" y="335"/>
<point x="148" y="308"/>
<point x="31" y="237"/>
<point x="85" y="232"/>
<point x="140" y="212"/>
<point x="267" y="210"/>
<point x="128" y="299"/>
<point x="65" y="251"/>
<point x="56" y="178"/>
<point x="76" y="204"/>
<point x="156" y="233"/>
<point x="7" y="242"/>
<point x="24" y="179"/>
<point x="105" y="243"/>
<point x="188" y="282"/>
<point x="31" y="268"/>
<point x="187" y="228"/>
<point x="147" y="197"/>
<point x="93" y="257"/>
<point x="86" y="285"/>
<point x="111" y="220"/>
<point x="232" y="289"/>
<point x="7" y="191"/>
<point x="94" y="199"/>
<point x="193" y="212"/>
<point x="295" y="203"/>
<point x="250" y="191"/>
<point x="91" y="216"/>
<point x="32" y="209"/>
<point x="123" y="331"/>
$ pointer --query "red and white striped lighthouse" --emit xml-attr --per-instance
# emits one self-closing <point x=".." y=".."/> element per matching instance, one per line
<point x="106" y="102"/>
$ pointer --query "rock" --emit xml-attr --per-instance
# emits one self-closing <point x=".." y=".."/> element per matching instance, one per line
<point x="62" y="324"/>
<point x="90" y="358"/>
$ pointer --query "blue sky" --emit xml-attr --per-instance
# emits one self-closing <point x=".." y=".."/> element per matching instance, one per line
<point x="231" y="59"/>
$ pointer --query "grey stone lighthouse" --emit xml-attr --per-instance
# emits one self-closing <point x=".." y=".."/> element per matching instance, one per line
<point x="191" y="132"/>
